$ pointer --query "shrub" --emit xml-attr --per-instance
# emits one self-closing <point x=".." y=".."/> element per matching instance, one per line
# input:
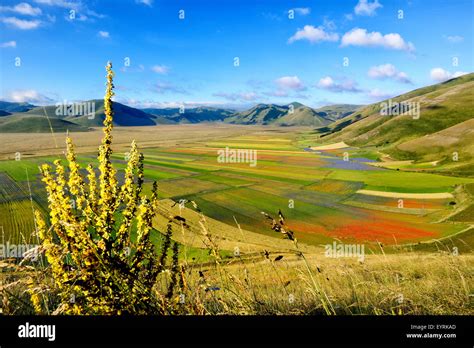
<point x="98" y="243"/>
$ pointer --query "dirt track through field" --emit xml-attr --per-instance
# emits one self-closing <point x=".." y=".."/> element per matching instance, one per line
<point x="440" y="195"/>
<point x="335" y="146"/>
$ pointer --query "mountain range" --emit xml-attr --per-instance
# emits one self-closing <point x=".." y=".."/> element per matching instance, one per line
<point x="293" y="114"/>
<point x="21" y="117"/>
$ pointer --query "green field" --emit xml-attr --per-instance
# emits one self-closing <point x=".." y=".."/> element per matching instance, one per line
<point x="319" y="201"/>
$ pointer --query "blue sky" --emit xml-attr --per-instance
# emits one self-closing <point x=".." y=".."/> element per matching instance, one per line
<point x="282" y="56"/>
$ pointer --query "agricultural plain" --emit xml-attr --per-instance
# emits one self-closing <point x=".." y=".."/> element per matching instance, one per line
<point x="327" y="194"/>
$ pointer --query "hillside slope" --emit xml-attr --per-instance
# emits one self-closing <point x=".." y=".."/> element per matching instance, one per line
<point x="433" y="136"/>
<point x="37" y="124"/>
<point x="12" y="107"/>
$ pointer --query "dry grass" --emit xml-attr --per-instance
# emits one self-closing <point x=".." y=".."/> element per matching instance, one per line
<point x="402" y="284"/>
<point x="397" y="284"/>
<point x="44" y="144"/>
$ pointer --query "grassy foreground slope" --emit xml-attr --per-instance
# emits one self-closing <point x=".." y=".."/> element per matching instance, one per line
<point x="402" y="284"/>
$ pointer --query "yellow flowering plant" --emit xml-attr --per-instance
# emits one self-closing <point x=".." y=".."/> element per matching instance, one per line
<point x="97" y="241"/>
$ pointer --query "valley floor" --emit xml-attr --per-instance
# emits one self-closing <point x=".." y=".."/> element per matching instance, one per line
<point x="328" y="194"/>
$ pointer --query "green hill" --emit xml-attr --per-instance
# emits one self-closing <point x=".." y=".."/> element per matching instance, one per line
<point x="36" y="124"/>
<point x="12" y="107"/>
<point x="430" y="137"/>
<point x="303" y="116"/>
<point x="442" y="146"/>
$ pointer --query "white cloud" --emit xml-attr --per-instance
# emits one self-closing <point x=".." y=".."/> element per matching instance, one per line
<point x="360" y="37"/>
<point x="22" y="8"/>
<point x="303" y="11"/>
<point x="402" y="77"/>
<point x="28" y="96"/>
<point x="290" y="82"/>
<point x="388" y="71"/>
<point x="104" y="34"/>
<point x="366" y="8"/>
<point x="242" y="96"/>
<point x="326" y="82"/>
<point x="8" y="44"/>
<point x="313" y="35"/>
<point x="459" y="73"/>
<point x="60" y="3"/>
<point x="169" y="104"/>
<point x="346" y="85"/>
<point x="160" y="69"/>
<point x="286" y="86"/>
<point x="22" y="24"/>
<point x="91" y="13"/>
<point x="454" y="38"/>
<point x="82" y="11"/>
<point x="145" y="2"/>
<point x="439" y="74"/>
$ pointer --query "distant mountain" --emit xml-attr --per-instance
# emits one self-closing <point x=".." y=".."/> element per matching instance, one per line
<point x="124" y="115"/>
<point x="190" y="115"/>
<point x="302" y="116"/>
<point x="259" y="114"/>
<point x="293" y="114"/>
<point x="12" y="107"/>
<point x="338" y="111"/>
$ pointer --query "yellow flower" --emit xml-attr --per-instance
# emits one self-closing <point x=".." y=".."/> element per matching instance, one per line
<point x="85" y="246"/>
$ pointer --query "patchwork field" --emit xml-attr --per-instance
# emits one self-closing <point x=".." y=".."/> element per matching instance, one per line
<point x="322" y="196"/>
